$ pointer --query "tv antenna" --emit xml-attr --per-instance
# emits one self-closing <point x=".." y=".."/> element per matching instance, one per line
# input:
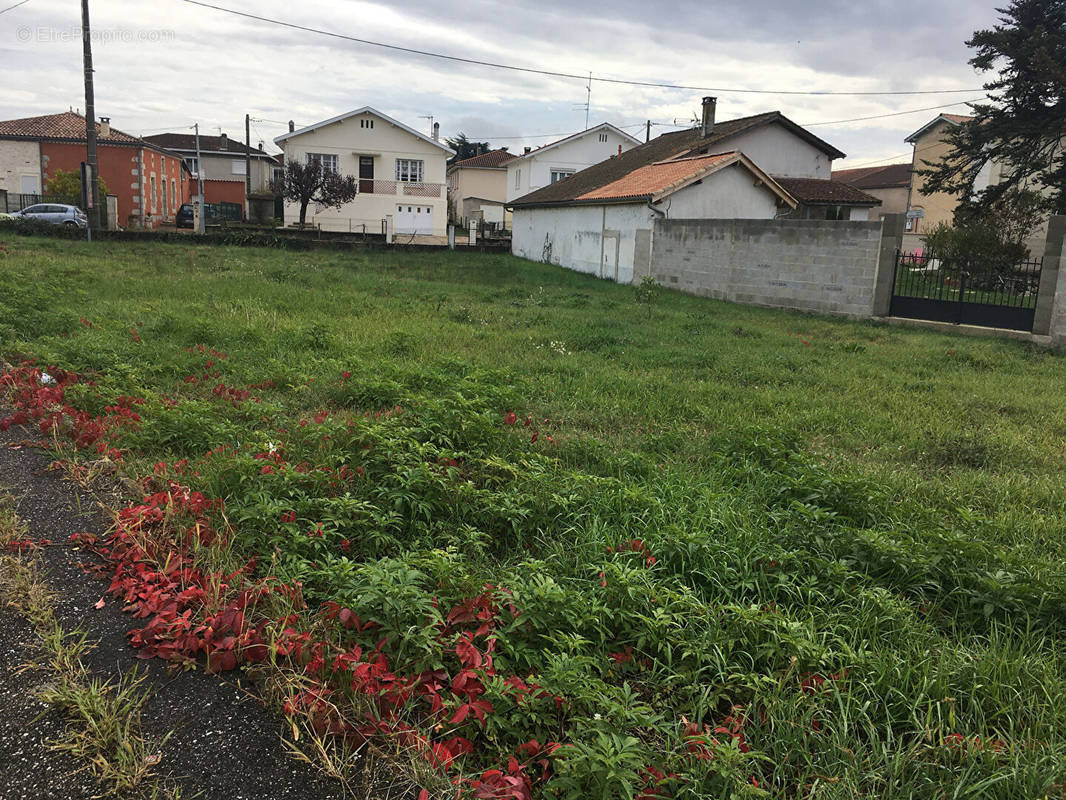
<point x="430" y="118"/>
<point x="588" y="101"/>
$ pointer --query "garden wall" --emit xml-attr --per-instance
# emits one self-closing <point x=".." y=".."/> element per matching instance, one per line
<point x="821" y="266"/>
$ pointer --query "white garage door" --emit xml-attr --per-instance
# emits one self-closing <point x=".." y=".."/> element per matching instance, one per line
<point x="414" y="219"/>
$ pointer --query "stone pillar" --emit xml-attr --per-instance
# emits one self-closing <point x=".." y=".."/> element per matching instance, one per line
<point x="1049" y="281"/>
<point x="388" y="229"/>
<point x="891" y="242"/>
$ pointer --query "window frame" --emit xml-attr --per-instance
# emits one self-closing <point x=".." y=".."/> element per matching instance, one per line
<point x="330" y="161"/>
<point x="405" y="173"/>
<point x="562" y="172"/>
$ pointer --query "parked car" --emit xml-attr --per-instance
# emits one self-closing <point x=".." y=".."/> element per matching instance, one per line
<point x="184" y="217"/>
<point x="54" y="213"/>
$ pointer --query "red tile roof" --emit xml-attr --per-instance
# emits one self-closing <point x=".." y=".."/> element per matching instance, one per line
<point x="494" y="159"/>
<point x="886" y="177"/>
<point x="960" y="118"/>
<point x="67" y="126"/>
<point x="820" y="192"/>
<point x="657" y="178"/>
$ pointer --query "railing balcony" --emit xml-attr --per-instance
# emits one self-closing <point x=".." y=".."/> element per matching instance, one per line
<point x="405" y="188"/>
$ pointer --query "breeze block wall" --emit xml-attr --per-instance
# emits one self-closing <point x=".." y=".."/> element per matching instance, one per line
<point x="827" y="267"/>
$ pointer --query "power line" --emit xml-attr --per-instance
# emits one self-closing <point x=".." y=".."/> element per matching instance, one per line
<point x="9" y="8"/>
<point x="893" y="114"/>
<point x="553" y="73"/>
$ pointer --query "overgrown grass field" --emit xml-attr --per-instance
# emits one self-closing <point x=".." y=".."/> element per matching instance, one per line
<point x="566" y="544"/>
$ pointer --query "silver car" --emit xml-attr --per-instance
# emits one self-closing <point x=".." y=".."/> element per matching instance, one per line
<point x="54" y="213"/>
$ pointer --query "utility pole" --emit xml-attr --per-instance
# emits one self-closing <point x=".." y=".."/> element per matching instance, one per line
<point x="200" y="180"/>
<point x="93" y="210"/>
<point x="247" y="168"/>
<point x="647" y="132"/>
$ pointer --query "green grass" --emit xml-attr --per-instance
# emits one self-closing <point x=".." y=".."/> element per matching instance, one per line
<point x="822" y="497"/>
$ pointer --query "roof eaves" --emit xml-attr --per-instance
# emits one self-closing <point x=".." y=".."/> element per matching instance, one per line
<point x="364" y="110"/>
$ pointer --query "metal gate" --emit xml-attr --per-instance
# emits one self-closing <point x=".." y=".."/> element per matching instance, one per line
<point x="949" y="290"/>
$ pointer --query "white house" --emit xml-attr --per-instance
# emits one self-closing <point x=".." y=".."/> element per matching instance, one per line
<point x="600" y="220"/>
<point x="554" y="162"/>
<point x="400" y="172"/>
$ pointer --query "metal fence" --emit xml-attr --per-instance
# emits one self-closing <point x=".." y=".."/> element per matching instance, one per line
<point x="975" y="292"/>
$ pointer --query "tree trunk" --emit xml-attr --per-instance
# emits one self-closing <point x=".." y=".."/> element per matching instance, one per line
<point x="303" y="211"/>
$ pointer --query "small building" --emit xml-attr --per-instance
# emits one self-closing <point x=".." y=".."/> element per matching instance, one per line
<point x="559" y="160"/>
<point x="147" y="181"/>
<point x="223" y="161"/>
<point x="890" y="184"/>
<point x="400" y="173"/>
<point x="601" y="219"/>
<point x="477" y="188"/>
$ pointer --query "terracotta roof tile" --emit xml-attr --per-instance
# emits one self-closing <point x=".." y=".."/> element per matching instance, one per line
<point x="891" y="176"/>
<point x="666" y="146"/>
<point x="816" y="191"/>
<point x="66" y="126"/>
<point x="651" y="179"/>
<point x="960" y="118"/>
<point x="494" y="159"/>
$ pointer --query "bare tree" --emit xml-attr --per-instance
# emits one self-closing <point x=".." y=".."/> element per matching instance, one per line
<point x="312" y="183"/>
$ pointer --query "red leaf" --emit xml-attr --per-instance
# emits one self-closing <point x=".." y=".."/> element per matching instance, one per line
<point x="100" y="603"/>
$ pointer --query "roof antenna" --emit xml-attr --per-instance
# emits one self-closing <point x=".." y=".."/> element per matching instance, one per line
<point x="588" y="101"/>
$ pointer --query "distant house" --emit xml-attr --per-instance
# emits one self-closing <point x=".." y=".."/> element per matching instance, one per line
<point x="930" y="146"/>
<point x="223" y="162"/>
<point x="600" y="220"/>
<point x="889" y="184"/>
<point x="146" y="179"/>
<point x="400" y="172"/>
<point x="559" y="160"/>
<point x="477" y="188"/>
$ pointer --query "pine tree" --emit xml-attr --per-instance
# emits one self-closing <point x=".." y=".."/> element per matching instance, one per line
<point x="1022" y="127"/>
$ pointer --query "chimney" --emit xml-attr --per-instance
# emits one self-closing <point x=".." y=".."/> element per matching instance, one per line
<point x="292" y="126"/>
<point x="707" y="127"/>
<point x="260" y="145"/>
<point x="619" y="149"/>
<point x="105" y="127"/>
<point x="223" y="141"/>
<point x="527" y="149"/>
<point x="436" y="131"/>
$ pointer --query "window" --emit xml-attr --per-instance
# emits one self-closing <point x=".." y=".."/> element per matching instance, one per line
<point x="559" y="174"/>
<point x="366" y="123"/>
<point x="328" y="160"/>
<point x="518" y="178"/>
<point x="152" y="198"/>
<point x="603" y="137"/>
<point x="237" y="166"/>
<point x="193" y="165"/>
<point x="173" y="192"/>
<point x="277" y="173"/>
<point x="409" y="170"/>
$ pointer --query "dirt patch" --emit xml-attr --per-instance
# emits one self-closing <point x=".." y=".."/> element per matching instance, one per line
<point x="224" y="743"/>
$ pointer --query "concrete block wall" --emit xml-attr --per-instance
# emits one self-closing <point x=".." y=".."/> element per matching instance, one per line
<point x="827" y="267"/>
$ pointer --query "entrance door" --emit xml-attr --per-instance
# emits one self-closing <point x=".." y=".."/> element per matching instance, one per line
<point x="414" y="219"/>
<point x="366" y="174"/>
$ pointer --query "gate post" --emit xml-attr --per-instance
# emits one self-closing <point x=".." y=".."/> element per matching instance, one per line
<point x="891" y="241"/>
<point x="1049" y="281"/>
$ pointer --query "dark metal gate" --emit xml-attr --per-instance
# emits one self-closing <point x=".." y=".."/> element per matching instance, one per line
<point x="947" y="290"/>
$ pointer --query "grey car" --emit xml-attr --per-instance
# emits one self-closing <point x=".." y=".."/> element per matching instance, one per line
<point x="54" y="213"/>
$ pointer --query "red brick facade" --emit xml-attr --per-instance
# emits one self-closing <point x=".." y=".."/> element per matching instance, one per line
<point x="163" y="188"/>
<point x="219" y="191"/>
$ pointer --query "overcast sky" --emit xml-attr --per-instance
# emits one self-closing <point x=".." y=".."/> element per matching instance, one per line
<point x="162" y="65"/>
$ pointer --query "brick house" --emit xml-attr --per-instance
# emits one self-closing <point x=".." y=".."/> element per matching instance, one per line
<point x="223" y="162"/>
<point x="146" y="180"/>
